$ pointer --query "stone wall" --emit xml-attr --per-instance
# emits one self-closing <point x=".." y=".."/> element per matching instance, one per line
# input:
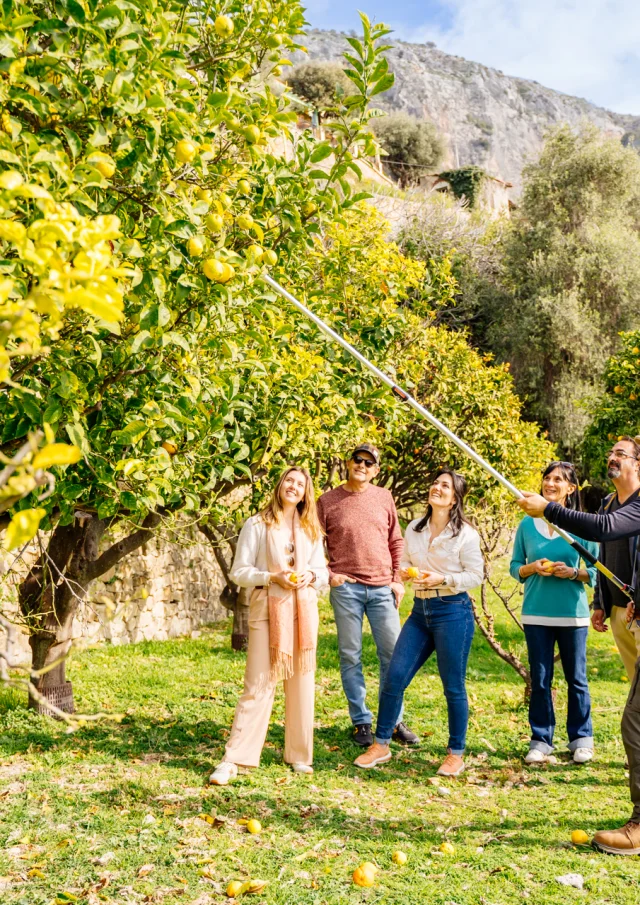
<point x="164" y="590"/>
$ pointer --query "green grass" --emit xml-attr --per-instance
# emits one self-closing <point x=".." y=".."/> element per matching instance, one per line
<point x="135" y="790"/>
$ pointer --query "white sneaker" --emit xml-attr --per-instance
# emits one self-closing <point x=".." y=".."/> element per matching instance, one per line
<point x="302" y="768"/>
<point x="535" y="756"/>
<point x="223" y="774"/>
<point x="582" y="755"/>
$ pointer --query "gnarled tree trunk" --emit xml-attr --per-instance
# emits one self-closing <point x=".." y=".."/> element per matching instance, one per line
<point x="235" y="599"/>
<point x="53" y="590"/>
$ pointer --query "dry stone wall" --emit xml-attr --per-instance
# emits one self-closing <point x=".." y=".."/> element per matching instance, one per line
<point x="164" y="590"/>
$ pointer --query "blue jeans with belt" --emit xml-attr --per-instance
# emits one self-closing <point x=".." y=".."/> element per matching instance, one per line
<point x="444" y="625"/>
<point x="572" y="645"/>
<point x="350" y="602"/>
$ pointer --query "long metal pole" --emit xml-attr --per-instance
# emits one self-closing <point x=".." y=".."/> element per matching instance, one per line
<point x="468" y="450"/>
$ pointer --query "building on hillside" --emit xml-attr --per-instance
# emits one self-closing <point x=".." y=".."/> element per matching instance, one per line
<point x="486" y="192"/>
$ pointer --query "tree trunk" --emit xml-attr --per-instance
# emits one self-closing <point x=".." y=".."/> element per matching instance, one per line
<point x="53" y="590"/>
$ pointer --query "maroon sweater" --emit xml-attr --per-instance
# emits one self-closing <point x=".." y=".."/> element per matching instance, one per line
<point x="364" y="540"/>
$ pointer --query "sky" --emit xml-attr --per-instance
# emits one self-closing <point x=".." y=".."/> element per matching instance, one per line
<point x="588" y="48"/>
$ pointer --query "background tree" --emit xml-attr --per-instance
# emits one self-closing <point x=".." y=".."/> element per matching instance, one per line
<point x="413" y="146"/>
<point x="155" y="114"/>
<point x="572" y="268"/>
<point x="617" y="412"/>
<point x="322" y="85"/>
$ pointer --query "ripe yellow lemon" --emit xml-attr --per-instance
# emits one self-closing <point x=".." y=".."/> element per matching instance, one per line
<point x="270" y="257"/>
<point x="447" y="848"/>
<point x="579" y="837"/>
<point x="185" y="151"/>
<point x="105" y="164"/>
<point x="195" y="246"/>
<point x="245" y="221"/>
<point x="244" y="186"/>
<point x="225" y="200"/>
<point x="170" y="447"/>
<point x="308" y="208"/>
<point x="204" y="195"/>
<point x="224" y="26"/>
<point x="364" y="875"/>
<point x="399" y="857"/>
<point x="234" y="888"/>
<point x="254" y="826"/>
<point x="293" y="578"/>
<point x="214" y="222"/>
<point x="254" y="253"/>
<point x="618" y="389"/>
<point x="412" y="572"/>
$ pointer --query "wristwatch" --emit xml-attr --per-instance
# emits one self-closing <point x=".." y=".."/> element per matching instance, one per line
<point x="445" y="581"/>
<point x="576" y="572"/>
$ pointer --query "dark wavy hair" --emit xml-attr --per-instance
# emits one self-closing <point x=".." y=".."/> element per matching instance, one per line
<point x="457" y="518"/>
<point x="568" y="472"/>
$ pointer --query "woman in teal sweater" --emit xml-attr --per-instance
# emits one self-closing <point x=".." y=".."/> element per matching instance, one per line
<point x="555" y="609"/>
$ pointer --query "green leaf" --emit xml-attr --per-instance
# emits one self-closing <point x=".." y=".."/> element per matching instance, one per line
<point x="182" y="228"/>
<point x="383" y="84"/>
<point x="131" y="434"/>
<point x="108" y="17"/>
<point x="321" y="152"/>
<point x="78" y="437"/>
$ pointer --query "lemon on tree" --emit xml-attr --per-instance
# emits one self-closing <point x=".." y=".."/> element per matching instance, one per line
<point x="244" y="187"/>
<point x="214" y="222"/>
<point x="270" y="257"/>
<point x="185" y="151"/>
<point x="218" y="271"/>
<point x="252" y="133"/>
<point x="104" y="163"/>
<point x="245" y="221"/>
<point x="224" y="26"/>
<point x="195" y="246"/>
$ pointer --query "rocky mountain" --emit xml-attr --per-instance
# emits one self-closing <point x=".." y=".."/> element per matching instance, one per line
<point x="487" y="118"/>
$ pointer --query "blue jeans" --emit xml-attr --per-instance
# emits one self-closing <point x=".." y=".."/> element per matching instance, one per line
<point x="444" y="625"/>
<point x="350" y="602"/>
<point x="572" y="645"/>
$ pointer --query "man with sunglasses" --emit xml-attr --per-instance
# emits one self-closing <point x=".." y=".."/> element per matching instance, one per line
<point x="364" y="545"/>
<point x="613" y="525"/>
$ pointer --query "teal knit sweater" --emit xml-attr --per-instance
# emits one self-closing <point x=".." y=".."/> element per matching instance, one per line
<point x="550" y="600"/>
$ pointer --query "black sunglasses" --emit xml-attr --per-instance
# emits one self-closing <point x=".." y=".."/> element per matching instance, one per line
<point x="360" y="461"/>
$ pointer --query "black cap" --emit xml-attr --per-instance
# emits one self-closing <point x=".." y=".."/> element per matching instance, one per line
<point x="368" y="448"/>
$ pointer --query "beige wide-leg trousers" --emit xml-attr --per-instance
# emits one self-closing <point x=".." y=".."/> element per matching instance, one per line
<point x="627" y="639"/>
<point x="251" y="720"/>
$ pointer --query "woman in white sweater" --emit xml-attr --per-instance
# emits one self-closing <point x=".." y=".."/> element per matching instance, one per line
<point x="280" y="555"/>
<point x="442" y="556"/>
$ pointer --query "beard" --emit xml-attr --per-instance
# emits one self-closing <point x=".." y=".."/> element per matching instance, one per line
<point x="613" y="471"/>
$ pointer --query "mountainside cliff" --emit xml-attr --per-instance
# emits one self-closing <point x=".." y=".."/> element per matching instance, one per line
<point x="486" y="118"/>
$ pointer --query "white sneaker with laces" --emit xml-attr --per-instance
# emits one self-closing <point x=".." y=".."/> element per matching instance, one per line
<point x="223" y="774"/>
<point x="582" y="755"/>
<point x="302" y="768"/>
<point x="535" y="756"/>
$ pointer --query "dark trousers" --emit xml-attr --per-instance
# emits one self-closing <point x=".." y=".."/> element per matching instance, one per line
<point x="631" y="739"/>
<point x="572" y="645"/>
<point x="444" y="625"/>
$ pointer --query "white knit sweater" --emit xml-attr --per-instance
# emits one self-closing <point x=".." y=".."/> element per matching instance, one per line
<point x="249" y="569"/>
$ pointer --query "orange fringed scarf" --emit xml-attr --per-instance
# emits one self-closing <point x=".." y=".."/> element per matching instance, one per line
<point x="284" y="605"/>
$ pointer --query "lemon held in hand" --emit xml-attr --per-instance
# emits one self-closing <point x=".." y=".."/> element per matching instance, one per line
<point x="412" y="572"/>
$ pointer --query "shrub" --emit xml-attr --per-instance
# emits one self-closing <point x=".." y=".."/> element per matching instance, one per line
<point x="412" y="146"/>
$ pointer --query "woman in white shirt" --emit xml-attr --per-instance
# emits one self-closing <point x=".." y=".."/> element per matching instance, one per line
<point x="442" y="556"/>
<point x="280" y="555"/>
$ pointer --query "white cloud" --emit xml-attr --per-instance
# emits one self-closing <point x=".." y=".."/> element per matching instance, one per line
<point x="588" y="48"/>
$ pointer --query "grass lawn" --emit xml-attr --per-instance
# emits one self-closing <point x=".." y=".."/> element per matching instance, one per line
<point x="113" y="812"/>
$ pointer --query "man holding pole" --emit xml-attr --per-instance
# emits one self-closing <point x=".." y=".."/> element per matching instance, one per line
<point x="364" y="543"/>
<point x="606" y="528"/>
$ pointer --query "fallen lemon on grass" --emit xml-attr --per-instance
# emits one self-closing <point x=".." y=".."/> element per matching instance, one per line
<point x="254" y="826"/>
<point x="579" y="837"/>
<point x="399" y="857"/>
<point x="447" y="848"/>
<point x="234" y="888"/>
<point x="365" y="875"/>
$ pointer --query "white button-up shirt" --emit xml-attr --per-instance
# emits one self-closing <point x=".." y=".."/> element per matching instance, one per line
<point x="458" y="558"/>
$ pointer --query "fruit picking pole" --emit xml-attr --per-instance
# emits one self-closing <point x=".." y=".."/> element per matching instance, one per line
<point x="402" y="394"/>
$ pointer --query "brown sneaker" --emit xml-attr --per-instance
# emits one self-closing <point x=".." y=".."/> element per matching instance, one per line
<point x="376" y="754"/>
<point x="625" y="841"/>
<point x="452" y="765"/>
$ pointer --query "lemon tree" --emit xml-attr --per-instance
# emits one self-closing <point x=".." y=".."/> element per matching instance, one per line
<point x="617" y="412"/>
<point x="166" y="177"/>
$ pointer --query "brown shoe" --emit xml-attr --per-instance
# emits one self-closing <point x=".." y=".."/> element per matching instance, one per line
<point x="376" y="754"/>
<point x="625" y="841"/>
<point x="452" y="765"/>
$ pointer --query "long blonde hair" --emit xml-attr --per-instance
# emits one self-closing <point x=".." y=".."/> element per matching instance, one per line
<point x="272" y="512"/>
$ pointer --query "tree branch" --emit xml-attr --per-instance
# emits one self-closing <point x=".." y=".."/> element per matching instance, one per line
<point x="123" y="547"/>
